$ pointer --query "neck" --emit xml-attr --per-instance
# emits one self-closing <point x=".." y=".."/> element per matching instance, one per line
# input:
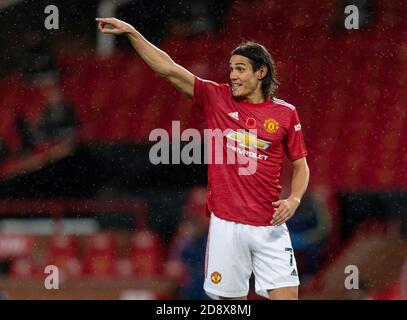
<point x="255" y="97"/>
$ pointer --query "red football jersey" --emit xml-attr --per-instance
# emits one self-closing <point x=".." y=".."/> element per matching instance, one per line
<point x="244" y="167"/>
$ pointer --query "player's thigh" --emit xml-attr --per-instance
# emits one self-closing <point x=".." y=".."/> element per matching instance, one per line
<point x="228" y="261"/>
<point x="274" y="262"/>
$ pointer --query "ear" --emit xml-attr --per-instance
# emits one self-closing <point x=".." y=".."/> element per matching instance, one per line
<point x="262" y="72"/>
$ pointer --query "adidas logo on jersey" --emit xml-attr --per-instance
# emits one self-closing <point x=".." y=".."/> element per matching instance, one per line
<point x="294" y="273"/>
<point x="234" y="115"/>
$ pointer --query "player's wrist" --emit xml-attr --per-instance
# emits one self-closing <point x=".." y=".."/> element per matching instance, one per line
<point x="295" y="200"/>
<point x="130" y="31"/>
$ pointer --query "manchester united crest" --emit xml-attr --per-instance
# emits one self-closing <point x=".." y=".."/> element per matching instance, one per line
<point x="216" y="277"/>
<point x="271" y="125"/>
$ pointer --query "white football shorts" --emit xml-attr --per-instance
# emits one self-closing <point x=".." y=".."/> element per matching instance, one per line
<point x="235" y="250"/>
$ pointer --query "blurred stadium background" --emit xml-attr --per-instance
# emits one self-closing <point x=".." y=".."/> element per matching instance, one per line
<point x="78" y="191"/>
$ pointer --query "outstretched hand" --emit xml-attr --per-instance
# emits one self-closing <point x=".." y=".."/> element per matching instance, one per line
<point x="286" y="209"/>
<point x="113" y="26"/>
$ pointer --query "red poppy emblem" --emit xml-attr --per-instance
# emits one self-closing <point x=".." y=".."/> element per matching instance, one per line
<point x="251" y="122"/>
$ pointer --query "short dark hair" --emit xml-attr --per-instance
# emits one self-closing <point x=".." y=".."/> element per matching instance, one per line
<point x="259" y="57"/>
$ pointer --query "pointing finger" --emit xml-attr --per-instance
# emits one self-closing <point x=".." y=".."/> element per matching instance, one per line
<point x="104" y="19"/>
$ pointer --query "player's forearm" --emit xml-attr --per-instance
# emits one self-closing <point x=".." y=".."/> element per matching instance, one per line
<point x="157" y="59"/>
<point x="299" y="182"/>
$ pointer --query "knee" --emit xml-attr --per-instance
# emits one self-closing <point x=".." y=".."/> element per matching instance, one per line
<point x="289" y="293"/>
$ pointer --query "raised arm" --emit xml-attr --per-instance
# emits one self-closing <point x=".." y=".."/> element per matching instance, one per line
<point x="157" y="59"/>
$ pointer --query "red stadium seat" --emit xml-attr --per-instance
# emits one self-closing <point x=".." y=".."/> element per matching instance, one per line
<point x="22" y="268"/>
<point x="146" y="253"/>
<point x="101" y="255"/>
<point x="63" y="253"/>
<point x="18" y="249"/>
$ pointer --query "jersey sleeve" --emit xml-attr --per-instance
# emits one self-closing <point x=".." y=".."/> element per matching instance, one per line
<point x="206" y="92"/>
<point x="295" y="145"/>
